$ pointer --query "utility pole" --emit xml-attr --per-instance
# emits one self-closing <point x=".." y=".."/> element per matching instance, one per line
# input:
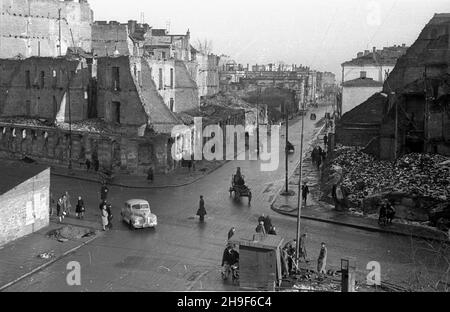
<point x="257" y="121"/>
<point x="70" y="117"/>
<point x="286" y="149"/>
<point x="59" y="33"/>
<point x="299" y="200"/>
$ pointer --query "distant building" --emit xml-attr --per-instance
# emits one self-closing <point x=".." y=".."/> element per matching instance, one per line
<point x="356" y="91"/>
<point x="375" y="64"/>
<point x="364" y="75"/>
<point x="24" y="200"/>
<point x="410" y="114"/>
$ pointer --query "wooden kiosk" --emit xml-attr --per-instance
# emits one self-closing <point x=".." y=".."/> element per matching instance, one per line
<point x="259" y="260"/>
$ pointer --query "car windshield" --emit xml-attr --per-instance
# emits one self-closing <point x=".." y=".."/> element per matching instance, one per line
<point x="140" y="207"/>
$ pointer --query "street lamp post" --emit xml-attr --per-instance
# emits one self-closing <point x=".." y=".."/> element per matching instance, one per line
<point x="257" y="121"/>
<point x="286" y="149"/>
<point x="299" y="200"/>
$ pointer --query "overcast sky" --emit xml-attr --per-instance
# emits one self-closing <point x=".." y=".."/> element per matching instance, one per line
<point x="319" y="33"/>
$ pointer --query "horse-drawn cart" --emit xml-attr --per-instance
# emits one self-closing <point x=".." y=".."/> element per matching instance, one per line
<point x="238" y="190"/>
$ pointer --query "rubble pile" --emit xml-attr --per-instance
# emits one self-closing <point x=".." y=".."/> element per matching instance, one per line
<point x="31" y="122"/>
<point x="415" y="174"/>
<point x="91" y="125"/>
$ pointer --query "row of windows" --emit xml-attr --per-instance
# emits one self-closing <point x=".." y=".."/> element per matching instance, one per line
<point x="40" y="82"/>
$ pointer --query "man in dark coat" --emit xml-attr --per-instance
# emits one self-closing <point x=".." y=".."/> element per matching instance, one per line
<point x="305" y="192"/>
<point x="104" y="192"/>
<point x="267" y="224"/>
<point x="201" y="212"/>
<point x="325" y="140"/>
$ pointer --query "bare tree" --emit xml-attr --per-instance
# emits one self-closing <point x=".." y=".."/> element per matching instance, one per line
<point x="204" y="46"/>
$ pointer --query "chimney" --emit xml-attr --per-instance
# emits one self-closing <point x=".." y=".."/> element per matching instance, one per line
<point x="132" y="26"/>
<point x="374" y="49"/>
<point x="360" y="54"/>
<point x="366" y="52"/>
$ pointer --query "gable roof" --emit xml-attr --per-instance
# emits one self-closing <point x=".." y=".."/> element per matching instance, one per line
<point x="362" y="82"/>
<point x="14" y="173"/>
<point x="371" y="111"/>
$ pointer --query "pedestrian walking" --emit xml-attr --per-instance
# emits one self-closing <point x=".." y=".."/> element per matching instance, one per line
<point x="267" y="224"/>
<point x="68" y="204"/>
<point x="302" y="250"/>
<point x="80" y="208"/>
<point x="110" y="216"/>
<point x="96" y="165"/>
<point x="314" y="155"/>
<point x="104" y="192"/>
<point x="322" y="261"/>
<point x="104" y="217"/>
<point x="201" y="212"/>
<point x="260" y="228"/>
<point x="262" y="218"/>
<point x="88" y="164"/>
<point x="150" y="174"/>
<point x="319" y="162"/>
<point x="305" y="192"/>
<point x="325" y="140"/>
<point x="231" y="233"/>
<point x="59" y="209"/>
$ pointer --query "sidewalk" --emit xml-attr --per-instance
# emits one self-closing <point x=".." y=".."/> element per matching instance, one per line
<point x="177" y="178"/>
<point x="20" y="258"/>
<point x="323" y="212"/>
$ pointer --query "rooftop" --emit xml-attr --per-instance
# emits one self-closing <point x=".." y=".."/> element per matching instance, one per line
<point x="386" y="56"/>
<point x="371" y="111"/>
<point x="15" y="173"/>
<point x="362" y="82"/>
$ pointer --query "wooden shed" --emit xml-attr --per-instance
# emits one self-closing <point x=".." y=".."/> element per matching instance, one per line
<point x="259" y="260"/>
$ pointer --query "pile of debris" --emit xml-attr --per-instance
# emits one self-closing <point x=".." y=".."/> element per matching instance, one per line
<point x="24" y="121"/>
<point x="91" y="125"/>
<point x="67" y="233"/>
<point x="415" y="174"/>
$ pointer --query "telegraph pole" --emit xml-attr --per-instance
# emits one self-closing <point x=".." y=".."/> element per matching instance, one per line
<point x="299" y="200"/>
<point x="286" y="149"/>
<point x="59" y="33"/>
<point x="257" y="121"/>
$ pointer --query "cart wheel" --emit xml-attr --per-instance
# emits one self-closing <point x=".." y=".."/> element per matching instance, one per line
<point x="130" y="225"/>
<point x="237" y="195"/>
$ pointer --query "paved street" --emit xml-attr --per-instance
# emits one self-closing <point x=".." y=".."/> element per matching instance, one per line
<point x="181" y="254"/>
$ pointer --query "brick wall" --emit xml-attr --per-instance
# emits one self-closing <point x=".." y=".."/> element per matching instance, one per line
<point x="107" y="38"/>
<point x="186" y="91"/>
<point x="25" y="209"/>
<point x="355" y="135"/>
<point x="31" y="27"/>
<point x="49" y="100"/>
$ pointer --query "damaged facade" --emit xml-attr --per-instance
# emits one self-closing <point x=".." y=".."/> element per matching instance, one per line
<point x="134" y="122"/>
<point x="44" y="28"/>
<point x="412" y="111"/>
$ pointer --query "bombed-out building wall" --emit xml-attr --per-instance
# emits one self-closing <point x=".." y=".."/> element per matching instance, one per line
<point x="36" y="27"/>
<point x="43" y="87"/>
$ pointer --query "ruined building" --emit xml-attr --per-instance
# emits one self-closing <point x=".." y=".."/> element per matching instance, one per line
<point x="43" y="28"/>
<point x="411" y="113"/>
<point x="67" y="110"/>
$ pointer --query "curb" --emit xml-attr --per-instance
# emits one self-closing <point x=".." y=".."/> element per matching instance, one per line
<point x="361" y="227"/>
<point x="142" y="187"/>
<point x="43" y="266"/>
<point x="277" y="194"/>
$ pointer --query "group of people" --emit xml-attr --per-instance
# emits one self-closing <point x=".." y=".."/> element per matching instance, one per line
<point x="265" y="226"/>
<point x="387" y="212"/>
<point x="105" y="208"/>
<point x="64" y="207"/>
<point x="318" y="156"/>
<point x="289" y="259"/>
<point x="94" y="163"/>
